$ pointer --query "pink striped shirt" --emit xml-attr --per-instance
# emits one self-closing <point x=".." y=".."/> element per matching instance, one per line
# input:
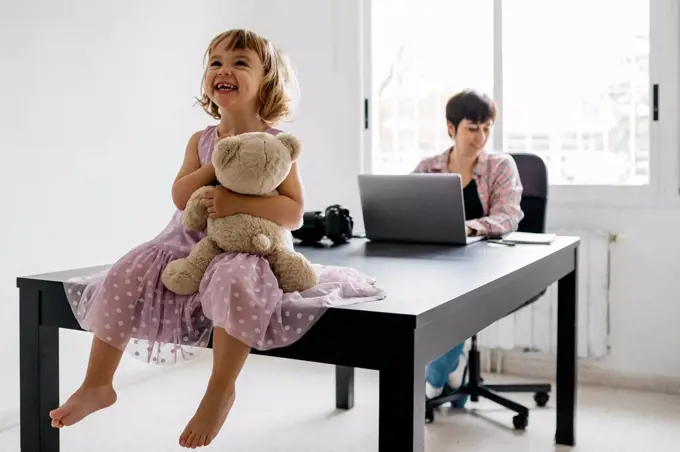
<point x="499" y="188"/>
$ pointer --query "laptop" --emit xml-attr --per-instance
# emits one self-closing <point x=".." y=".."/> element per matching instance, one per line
<point x="414" y="208"/>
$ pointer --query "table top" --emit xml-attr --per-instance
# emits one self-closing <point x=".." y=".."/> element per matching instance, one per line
<point x="417" y="278"/>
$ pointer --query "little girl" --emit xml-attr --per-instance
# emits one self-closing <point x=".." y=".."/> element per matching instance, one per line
<point x="245" y="87"/>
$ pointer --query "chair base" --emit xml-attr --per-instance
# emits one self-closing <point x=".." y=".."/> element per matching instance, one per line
<point x="475" y="388"/>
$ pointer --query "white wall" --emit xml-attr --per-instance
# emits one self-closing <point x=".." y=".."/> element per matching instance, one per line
<point x="97" y="106"/>
<point x="322" y="39"/>
<point x="645" y="306"/>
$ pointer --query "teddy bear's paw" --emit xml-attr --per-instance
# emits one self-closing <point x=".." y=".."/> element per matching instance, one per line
<point x="179" y="278"/>
<point x="295" y="273"/>
<point x="195" y="219"/>
<point x="195" y="214"/>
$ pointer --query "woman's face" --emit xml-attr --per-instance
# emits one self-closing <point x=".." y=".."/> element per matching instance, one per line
<point x="470" y="137"/>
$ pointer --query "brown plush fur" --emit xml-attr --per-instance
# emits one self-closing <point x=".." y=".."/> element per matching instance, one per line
<point x="251" y="164"/>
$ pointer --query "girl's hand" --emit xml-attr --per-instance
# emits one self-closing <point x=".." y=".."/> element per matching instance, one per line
<point x="220" y="202"/>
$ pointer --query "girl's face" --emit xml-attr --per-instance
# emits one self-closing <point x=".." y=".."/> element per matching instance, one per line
<point x="233" y="78"/>
<point x="471" y="137"/>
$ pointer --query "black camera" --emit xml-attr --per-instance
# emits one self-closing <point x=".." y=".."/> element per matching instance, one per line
<point x="335" y="223"/>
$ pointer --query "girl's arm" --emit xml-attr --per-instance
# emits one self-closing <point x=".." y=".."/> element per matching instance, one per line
<point x="285" y="209"/>
<point x="505" y="195"/>
<point x="191" y="175"/>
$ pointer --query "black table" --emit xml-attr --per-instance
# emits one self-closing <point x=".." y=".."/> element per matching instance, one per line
<point x="437" y="297"/>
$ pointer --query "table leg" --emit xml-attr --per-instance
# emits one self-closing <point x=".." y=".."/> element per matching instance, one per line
<point x="567" y="305"/>
<point x="39" y="371"/>
<point x="401" y="424"/>
<point x="344" y="387"/>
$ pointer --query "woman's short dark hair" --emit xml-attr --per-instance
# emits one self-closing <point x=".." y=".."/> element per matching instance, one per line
<point x="471" y="105"/>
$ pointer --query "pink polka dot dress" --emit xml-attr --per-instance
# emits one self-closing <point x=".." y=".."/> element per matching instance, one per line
<point x="129" y="307"/>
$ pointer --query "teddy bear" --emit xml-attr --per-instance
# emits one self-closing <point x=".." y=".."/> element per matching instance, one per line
<point x="255" y="164"/>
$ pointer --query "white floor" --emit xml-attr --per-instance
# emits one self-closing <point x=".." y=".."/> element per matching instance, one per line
<point x="289" y="406"/>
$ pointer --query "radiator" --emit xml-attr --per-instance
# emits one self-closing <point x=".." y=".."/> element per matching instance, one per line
<point x="534" y="328"/>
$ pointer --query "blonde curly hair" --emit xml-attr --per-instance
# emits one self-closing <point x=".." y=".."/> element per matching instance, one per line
<point x="279" y="81"/>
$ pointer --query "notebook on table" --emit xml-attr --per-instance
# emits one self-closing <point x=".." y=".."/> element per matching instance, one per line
<point x="529" y="238"/>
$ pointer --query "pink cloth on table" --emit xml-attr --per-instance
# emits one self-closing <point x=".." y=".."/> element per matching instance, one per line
<point x="129" y="307"/>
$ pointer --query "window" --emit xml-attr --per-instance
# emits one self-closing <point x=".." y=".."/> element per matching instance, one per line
<point x="573" y="79"/>
<point x="414" y="70"/>
<point x="583" y="77"/>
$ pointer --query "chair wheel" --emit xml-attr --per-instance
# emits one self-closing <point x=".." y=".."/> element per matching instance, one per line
<point x="429" y="415"/>
<point x="541" y="398"/>
<point x="520" y="422"/>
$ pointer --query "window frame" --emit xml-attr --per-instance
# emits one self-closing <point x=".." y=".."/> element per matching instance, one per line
<point x="664" y="157"/>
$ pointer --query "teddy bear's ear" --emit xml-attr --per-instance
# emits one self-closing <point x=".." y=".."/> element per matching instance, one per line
<point x="225" y="150"/>
<point x="292" y="143"/>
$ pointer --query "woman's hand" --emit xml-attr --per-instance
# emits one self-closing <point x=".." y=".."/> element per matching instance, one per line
<point x="220" y="202"/>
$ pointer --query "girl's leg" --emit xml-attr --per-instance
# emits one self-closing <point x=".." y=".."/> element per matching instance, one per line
<point x="96" y="391"/>
<point x="229" y="356"/>
<point x="438" y="370"/>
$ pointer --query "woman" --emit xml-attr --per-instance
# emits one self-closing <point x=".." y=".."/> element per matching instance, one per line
<point x="491" y="192"/>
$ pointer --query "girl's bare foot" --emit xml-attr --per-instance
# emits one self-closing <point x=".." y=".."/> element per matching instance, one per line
<point x="83" y="402"/>
<point x="210" y="416"/>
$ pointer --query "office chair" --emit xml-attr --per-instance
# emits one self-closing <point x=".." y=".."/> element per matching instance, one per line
<point x="534" y="176"/>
